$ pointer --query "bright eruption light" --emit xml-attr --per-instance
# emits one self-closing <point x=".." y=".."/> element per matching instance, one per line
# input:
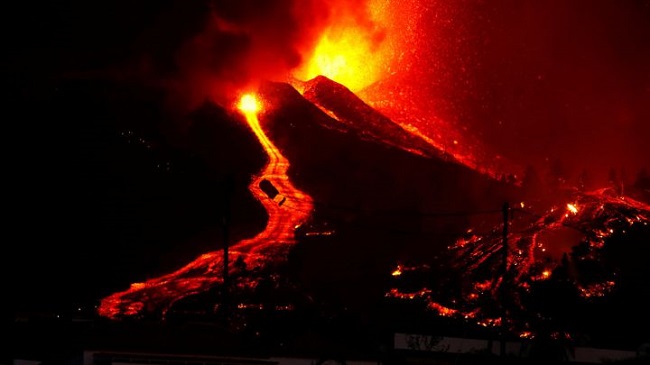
<point x="352" y="52"/>
<point x="339" y="57"/>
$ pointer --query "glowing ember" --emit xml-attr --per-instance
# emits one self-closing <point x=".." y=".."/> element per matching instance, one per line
<point x="572" y="208"/>
<point x="526" y="334"/>
<point x="442" y="310"/>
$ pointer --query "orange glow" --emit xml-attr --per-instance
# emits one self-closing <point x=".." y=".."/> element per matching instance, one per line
<point x="340" y="56"/>
<point x="546" y="274"/>
<point x="572" y="208"/>
<point x="397" y="272"/>
<point x="526" y="334"/>
<point x="289" y="210"/>
<point x="442" y="310"/>
<point x="249" y="104"/>
<point x="368" y="50"/>
<point x="483" y="286"/>
<point x="350" y="52"/>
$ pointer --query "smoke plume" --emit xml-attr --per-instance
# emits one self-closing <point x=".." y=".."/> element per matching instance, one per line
<point x="219" y="49"/>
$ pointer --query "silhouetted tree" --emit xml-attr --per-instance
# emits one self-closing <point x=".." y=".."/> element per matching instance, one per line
<point x="642" y="180"/>
<point x="615" y="181"/>
<point x="557" y="175"/>
<point x="531" y="182"/>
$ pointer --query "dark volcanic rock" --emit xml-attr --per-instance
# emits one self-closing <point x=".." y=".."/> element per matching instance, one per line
<point x="383" y="204"/>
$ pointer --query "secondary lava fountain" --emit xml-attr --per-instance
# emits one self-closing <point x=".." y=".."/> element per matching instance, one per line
<point x="287" y="208"/>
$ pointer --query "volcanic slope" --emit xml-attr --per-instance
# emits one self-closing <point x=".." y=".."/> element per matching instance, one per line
<point x="374" y="202"/>
<point x="381" y="194"/>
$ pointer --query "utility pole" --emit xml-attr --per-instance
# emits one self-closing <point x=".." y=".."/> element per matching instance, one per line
<point x="225" y="221"/>
<point x="504" y="279"/>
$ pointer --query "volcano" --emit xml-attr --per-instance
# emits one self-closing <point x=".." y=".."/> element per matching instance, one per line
<point x="363" y="195"/>
<point x="563" y="273"/>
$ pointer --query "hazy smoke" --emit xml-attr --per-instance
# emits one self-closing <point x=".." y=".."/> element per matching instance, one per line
<point x="217" y="49"/>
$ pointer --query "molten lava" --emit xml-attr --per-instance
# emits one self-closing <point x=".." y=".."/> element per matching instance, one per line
<point x="286" y="210"/>
<point x="340" y="56"/>
<point x="249" y="105"/>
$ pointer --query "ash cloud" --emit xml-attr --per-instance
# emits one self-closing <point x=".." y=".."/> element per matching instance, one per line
<point x="232" y="45"/>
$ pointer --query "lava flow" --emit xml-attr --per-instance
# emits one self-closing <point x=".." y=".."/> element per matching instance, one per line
<point x="287" y="207"/>
<point x="539" y="247"/>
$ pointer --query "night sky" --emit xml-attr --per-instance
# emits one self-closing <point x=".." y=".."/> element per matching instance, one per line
<point x="553" y="82"/>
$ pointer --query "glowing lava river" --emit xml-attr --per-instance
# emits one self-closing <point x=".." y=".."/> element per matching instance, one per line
<point x="287" y="207"/>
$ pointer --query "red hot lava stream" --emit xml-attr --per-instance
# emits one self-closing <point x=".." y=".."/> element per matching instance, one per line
<point x="286" y="209"/>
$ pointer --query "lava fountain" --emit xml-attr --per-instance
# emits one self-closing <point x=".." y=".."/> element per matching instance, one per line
<point x="287" y="208"/>
<point x="350" y="51"/>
